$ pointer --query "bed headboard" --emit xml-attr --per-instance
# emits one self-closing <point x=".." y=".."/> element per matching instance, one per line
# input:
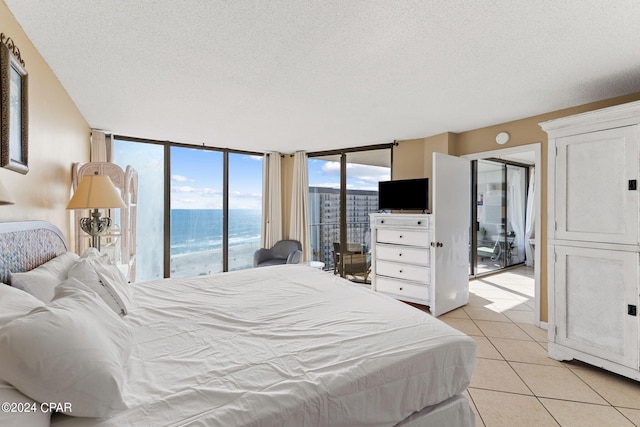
<point x="24" y="245"/>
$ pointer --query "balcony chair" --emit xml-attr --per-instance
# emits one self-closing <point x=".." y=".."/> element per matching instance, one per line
<point x="356" y="266"/>
<point x="283" y="252"/>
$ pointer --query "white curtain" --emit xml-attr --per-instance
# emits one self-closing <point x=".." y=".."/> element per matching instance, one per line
<point x="101" y="146"/>
<point x="271" y="201"/>
<point x="515" y="210"/>
<point x="299" y="222"/>
<point x="530" y="220"/>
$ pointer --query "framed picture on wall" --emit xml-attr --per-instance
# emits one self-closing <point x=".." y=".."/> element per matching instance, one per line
<point x="14" y="111"/>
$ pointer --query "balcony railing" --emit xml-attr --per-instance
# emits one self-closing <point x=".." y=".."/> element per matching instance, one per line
<point x="323" y="235"/>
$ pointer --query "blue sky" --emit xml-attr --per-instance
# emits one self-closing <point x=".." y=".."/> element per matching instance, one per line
<point x="196" y="180"/>
<point x="196" y="175"/>
<point x="323" y="173"/>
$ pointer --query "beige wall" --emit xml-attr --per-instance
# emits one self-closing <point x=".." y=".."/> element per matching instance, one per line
<point x="58" y="136"/>
<point x="410" y="159"/>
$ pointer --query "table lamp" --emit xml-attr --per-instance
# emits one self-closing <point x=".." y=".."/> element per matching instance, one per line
<point x="95" y="192"/>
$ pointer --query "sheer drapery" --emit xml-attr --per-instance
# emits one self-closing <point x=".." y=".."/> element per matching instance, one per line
<point x="101" y="146"/>
<point x="271" y="201"/>
<point x="515" y="210"/>
<point x="530" y="220"/>
<point x="299" y="222"/>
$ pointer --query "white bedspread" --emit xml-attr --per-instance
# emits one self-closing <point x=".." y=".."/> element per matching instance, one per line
<point x="282" y="346"/>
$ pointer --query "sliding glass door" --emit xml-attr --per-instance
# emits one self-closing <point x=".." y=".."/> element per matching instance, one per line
<point x="498" y="223"/>
<point x="343" y="190"/>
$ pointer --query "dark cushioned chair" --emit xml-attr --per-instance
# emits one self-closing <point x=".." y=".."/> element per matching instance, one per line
<point x="283" y="252"/>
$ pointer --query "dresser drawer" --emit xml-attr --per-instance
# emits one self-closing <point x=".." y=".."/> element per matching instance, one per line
<point x="400" y="289"/>
<point x="402" y="221"/>
<point x="421" y="238"/>
<point x="405" y="254"/>
<point x="403" y="271"/>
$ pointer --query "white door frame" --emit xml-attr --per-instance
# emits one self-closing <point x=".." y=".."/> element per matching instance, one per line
<point x="537" y="149"/>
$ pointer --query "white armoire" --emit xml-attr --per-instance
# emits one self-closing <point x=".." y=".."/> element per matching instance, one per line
<point x="594" y="239"/>
<point x="424" y="258"/>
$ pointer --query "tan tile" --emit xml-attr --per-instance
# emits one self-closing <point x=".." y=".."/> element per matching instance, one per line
<point x="458" y="313"/>
<point x="466" y="326"/>
<point x="495" y="292"/>
<point x="523" y="351"/>
<point x="556" y="383"/>
<point x="618" y="390"/>
<point x="578" y="414"/>
<point x="497" y="375"/>
<point x="535" y="332"/>
<point x="503" y="305"/>
<point x="632" y="414"/>
<point x="477" y="300"/>
<point x="499" y="409"/>
<point x="484" y="313"/>
<point x="486" y="350"/>
<point x="502" y="330"/>
<point x="521" y="316"/>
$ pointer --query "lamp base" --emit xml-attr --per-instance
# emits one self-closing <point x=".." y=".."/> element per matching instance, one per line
<point x="95" y="227"/>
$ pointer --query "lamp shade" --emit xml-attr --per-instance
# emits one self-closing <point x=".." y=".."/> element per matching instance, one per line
<point x="5" y="197"/>
<point x="95" y="192"/>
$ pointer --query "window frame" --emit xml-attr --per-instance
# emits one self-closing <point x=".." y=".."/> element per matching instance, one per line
<point x="167" y="193"/>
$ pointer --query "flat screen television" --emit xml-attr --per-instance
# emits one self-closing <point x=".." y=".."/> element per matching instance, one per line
<point x="404" y="194"/>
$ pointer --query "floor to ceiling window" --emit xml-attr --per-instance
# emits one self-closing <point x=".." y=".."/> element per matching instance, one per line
<point x="199" y="209"/>
<point x="196" y="212"/>
<point x="245" y="209"/>
<point x="148" y="161"/>
<point x="343" y="190"/>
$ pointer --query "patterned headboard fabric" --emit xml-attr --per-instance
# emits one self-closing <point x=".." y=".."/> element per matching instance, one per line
<point x="25" y="245"/>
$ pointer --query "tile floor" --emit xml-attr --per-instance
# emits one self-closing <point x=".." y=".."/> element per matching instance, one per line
<point x="515" y="383"/>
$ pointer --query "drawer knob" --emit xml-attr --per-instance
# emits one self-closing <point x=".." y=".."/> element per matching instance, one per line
<point x="400" y="288"/>
<point x="400" y="271"/>
<point x="401" y="236"/>
<point x="400" y="254"/>
<point x="419" y="222"/>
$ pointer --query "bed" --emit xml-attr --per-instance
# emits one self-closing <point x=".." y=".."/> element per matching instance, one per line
<point x="284" y="345"/>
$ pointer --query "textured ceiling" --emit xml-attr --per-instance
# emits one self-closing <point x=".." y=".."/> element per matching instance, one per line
<point x="292" y="75"/>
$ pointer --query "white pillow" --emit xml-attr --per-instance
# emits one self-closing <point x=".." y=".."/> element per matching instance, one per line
<point x="15" y="303"/>
<point x="21" y="410"/>
<point x="41" y="281"/>
<point x="73" y="349"/>
<point x="103" y="277"/>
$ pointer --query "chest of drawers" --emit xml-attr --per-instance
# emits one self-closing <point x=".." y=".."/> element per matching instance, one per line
<point x="402" y="259"/>
<point x="401" y="256"/>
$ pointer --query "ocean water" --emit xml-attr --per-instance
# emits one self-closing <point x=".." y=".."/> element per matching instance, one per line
<point x="197" y="230"/>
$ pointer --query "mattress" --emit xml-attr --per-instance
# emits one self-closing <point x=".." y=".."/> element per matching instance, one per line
<point x="285" y="345"/>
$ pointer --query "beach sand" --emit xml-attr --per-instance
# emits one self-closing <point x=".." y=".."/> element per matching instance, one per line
<point x="210" y="262"/>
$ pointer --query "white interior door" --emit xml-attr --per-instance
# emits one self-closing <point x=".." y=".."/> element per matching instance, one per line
<point x="450" y="256"/>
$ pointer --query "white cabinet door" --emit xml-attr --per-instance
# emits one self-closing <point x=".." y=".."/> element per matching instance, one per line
<point x="595" y="290"/>
<point x="594" y="195"/>
<point x="450" y="244"/>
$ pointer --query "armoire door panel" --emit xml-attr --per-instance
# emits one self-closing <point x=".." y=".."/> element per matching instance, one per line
<point x="593" y="290"/>
<point x="595" y="200"/>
